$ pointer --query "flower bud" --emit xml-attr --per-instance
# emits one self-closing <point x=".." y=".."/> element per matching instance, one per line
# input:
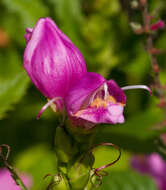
<point x="134" y="4"/>
<point x="137" y="28"/>
<point x="51" y="60"/>
<point x="63" y="146"/>
<point x="59" y="182"/>
<point x="79" y="173"/>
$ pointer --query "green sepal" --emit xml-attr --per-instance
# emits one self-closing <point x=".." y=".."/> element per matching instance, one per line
<point x="81" y="135"/>
<point x="79" y="171"/>
<point x="64" y="147"/>
<point x="92" y="181"/>
<point x="59" y="182"/>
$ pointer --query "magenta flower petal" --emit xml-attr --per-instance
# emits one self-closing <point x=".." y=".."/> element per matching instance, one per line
<point x="7" y="183"/>
<point x="51" y="60"/>
<point x="153" y="165"/>
<point x="95" y="100"/>
<point x="28" y="34"/>
<point x="157" y="166"/>
<point x="116" y="92"/>
<point x="113" y="114"/>
<point x="140" y="164"/>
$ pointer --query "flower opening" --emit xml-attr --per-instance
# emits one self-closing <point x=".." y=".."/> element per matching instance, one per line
<point x="99" y="102"/>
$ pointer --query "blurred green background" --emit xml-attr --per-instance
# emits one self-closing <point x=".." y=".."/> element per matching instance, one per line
<point x="101" y="30"/>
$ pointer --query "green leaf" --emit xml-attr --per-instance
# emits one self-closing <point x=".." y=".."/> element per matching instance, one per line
<point x="11" y="91"/>
<point x="37" y="161"/>
<point x="136" y="134"/>
<point x="105" y="155"/>
<point x="70" y="17"/>
<point x="29" y="10"/>
<point x="13" y="80"/>
<point x="127" y="180"/>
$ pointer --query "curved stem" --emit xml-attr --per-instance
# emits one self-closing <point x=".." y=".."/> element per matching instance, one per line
<point x="110" y="164"/>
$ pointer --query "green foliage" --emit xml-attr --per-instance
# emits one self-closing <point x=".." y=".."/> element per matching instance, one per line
<point x="11" y="91"/>
<point x="137" y="134"/>
<point x="32" y="162"/>
<point x="64" y="146"/>
<point x="13" y="80"/>
<point x="79" y="172"/>
<point x="62" y="184"/>
<point x="127" y="180"/>
<point x="28" y="10"/>
<point x="70" y="9"/>
<point x="109" y="155"/>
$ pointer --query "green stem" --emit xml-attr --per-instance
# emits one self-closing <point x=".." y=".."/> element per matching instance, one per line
<point x="12" y="171"/>
<point x="16" y="177"/>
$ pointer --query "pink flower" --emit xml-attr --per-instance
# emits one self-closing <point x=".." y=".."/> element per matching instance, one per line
<point x="58" y="70"/>
<point x="153" y="165"/>
<point x="7" y="182"/>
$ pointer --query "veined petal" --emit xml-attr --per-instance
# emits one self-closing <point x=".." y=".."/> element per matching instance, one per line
<point x="112" y="114"/>
<point x="51" y="60"/>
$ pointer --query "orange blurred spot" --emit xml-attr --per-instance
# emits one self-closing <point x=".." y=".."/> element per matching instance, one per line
<point x="4" y="38"/>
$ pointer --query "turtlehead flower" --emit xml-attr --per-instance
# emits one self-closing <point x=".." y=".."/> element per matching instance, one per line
<point x="58" y="70"/>
<point x="153" y="165"/>
<point x="7" y="183"/>
<point x="51" y="60"/>
<point x="96" y="100"/>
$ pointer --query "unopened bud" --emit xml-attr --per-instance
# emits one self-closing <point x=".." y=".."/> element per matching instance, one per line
<point x="134" y="4"/>
<point x="58" y="182"/>
<point x="63" y="146"/>
<point x="137" y="28"/>
<point x="79" y="173"/>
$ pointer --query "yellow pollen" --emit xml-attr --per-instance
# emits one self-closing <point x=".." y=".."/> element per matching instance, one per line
<point x="98" y="102"/>
<point x="111" y="99"/>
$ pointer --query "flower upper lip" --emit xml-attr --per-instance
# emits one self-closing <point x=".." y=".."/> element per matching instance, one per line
<point x="51" y="60"/>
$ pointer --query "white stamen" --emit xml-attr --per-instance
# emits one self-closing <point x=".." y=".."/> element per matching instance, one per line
<point x="106" y="94"/>
<point x="137" y="87"/>
<point x="47" y="105"/>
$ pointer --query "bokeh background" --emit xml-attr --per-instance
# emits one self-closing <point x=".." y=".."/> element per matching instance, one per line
<point x="101" y="30"/>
